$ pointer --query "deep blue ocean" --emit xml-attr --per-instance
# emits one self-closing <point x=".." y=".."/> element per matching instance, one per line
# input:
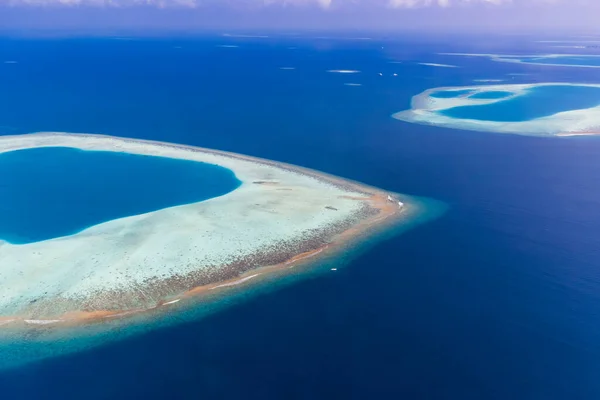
<point x="47" y="193"/>
<point x="497" y="299"/>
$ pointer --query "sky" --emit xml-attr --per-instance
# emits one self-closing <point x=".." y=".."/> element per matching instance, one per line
<point x="359" y="15"/>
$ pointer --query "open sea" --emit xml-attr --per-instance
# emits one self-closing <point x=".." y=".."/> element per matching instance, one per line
<point x="499" y="298"/>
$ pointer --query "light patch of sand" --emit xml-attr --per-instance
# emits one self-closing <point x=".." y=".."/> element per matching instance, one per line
<point x="235" y="283"/>
<point x="343" y="71"/>
<point x="437" y="65"/>
<point x="42" y="321"/>
<point x="488" y="80"/>
<point x="589" y="133"/>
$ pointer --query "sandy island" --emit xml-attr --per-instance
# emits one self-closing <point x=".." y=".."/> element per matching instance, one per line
<point x="281" y="216"/>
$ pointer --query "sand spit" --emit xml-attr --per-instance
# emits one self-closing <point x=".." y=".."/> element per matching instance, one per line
<point x="280" y="217"/>
<point x="427" y="109"/>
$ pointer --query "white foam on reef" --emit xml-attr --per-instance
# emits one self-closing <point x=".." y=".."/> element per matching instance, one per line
<point x="437" y="65"/>
<point x="521" y="59"/>
<point x="235" y="283"/>
<point x="352" y="84"/>
<point x="426" y="109"/>
<point x="274" y="204"/>
<point x="488" y="80"/>
<point x="42" y="321"/>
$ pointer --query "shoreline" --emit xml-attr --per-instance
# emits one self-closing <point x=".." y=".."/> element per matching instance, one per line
<point x="382" y="211"/>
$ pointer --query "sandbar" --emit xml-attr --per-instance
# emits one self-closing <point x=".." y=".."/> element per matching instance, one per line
<point x="280" y="217"/>
<point x="437" y="65"/>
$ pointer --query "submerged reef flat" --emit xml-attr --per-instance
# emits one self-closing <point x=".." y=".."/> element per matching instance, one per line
<point x="279" y="217"/>
<point x="555" y="60"/>
<point x="545" y="109"/>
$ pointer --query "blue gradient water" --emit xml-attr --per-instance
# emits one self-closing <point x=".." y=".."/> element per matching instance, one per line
<point x="52" y="192"/>
<point x="490" y="95"/>
<point x="593" y="61"/>
<point x="498" y="299"/>
<point x="537" y="102"/>
<point x="450" y="94"/>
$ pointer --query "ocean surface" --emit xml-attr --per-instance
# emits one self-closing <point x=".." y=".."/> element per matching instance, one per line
<point x="497" y="299"/>
<point x="47" y="193"/>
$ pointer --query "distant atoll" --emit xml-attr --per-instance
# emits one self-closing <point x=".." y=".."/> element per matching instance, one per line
<point x="544" y="109"/>
<point x="280" y="217"/>
<point x="554" y="60"/>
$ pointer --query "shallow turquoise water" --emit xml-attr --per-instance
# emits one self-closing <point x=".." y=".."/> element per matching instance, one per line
<point x="538" y="102"/>
<point x="450" y="94"/>
<point x="52" y="192"/>
<point x="490" y="95"/>
<point x="574" y="60"/>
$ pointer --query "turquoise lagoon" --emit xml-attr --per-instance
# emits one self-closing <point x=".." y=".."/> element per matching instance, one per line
<point x="558" y="60"/>
<point x="563" y="60"/>
<point x="53" y="192"/>
<point x="491" y="95"/>
<point x="450" y="94"/>
<point x="545" y="109"/>
<point x="536" y="102"/>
